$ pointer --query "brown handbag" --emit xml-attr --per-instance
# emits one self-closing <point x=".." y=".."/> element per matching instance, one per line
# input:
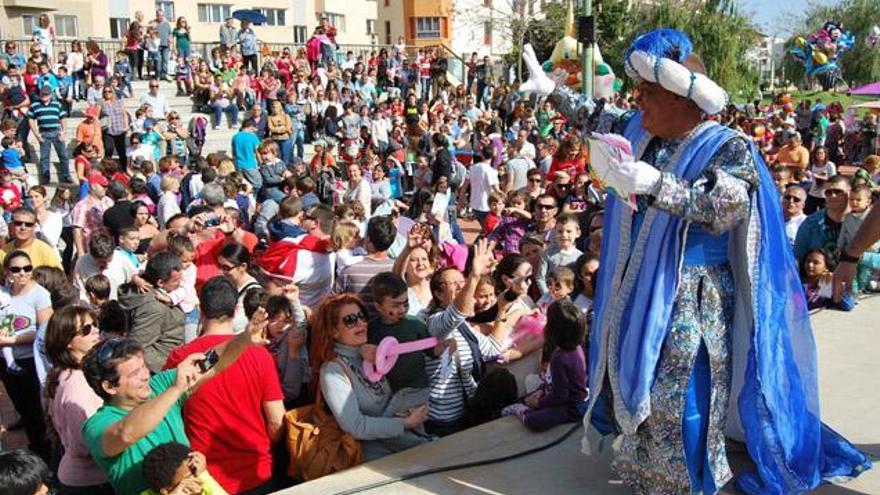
<point x="316" y="443"/>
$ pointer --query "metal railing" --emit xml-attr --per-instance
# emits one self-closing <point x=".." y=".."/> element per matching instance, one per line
<point x="203" y="50"/>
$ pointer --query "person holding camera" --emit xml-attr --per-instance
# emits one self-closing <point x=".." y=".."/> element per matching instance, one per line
<point x="141" y="411"/>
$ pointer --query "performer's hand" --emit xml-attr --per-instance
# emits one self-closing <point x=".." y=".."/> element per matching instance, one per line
<point x="842" y="282"/>
<point x="538" y="83"/>
<point x="632" y="178"/>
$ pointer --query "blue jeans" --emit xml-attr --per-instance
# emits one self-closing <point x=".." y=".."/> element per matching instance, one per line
<point x="253" y="176"/>
<point x="232" y="110"/>
<point x="426" y="88"/>
<point x="162" y="70"/>
<point x="285" y="145"/>
<point x="50" y="139"/>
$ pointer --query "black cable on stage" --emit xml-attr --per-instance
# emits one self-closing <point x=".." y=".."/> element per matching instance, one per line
<point x="455" y="467"/>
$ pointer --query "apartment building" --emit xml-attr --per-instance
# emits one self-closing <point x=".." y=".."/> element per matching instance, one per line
<point x="287" y="20"/>
<point x="463" y="26"/>
<point x="419" y="22"/>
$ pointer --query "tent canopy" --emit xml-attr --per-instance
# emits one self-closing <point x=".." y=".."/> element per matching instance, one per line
<point x="867" y="89"/>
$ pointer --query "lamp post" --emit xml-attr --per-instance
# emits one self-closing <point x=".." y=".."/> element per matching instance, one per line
<point x="587" y="55"/>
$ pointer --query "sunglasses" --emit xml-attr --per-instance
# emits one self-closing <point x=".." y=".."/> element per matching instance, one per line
<point x="19" y="269"/>
<point x="542" y="206"/>
<point x="792" y="198"/>
<point x="535" y="180"/>
<point x="350" y="321"/>
<point x="154" y="85"/>
<point x="20" y="223"/>
<point x="833" y="193"/>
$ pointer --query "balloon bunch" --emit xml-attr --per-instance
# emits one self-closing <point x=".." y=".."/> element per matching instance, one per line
<point x="873" y="38"/>
<point x="820" y="52"/>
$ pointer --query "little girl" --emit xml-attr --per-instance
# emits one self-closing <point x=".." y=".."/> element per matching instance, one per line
<point x="184" y="77"/>
<point x="558" y="402"/>
<point x="816" y="273"/>
<point x="587" y="266"/>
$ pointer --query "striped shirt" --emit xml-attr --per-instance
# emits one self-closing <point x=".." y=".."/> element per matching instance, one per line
<point x="447" y="397"/>
<point x="48" y="116"/>
<point x="356" y="278"/>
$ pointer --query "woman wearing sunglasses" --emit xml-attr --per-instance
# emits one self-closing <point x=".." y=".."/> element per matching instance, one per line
<point x="339" y="329"/>
<point x="28" y="308"/>
<point x="72" y="332"/>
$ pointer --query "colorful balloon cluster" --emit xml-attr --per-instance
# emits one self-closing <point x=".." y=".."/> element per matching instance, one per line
<point x="820" y="52"/>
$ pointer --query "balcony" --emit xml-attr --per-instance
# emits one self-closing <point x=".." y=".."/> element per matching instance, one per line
<point x="29" y="4"/>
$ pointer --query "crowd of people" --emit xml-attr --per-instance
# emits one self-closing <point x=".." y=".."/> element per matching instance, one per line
<point x="152" y="268"/>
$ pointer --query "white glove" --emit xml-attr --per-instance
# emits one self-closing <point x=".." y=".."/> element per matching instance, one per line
<point x="538" y="83"/>
<point x="632" y="178"/>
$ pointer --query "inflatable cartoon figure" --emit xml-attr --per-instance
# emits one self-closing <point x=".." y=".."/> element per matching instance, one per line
<point x="565" y="64"/>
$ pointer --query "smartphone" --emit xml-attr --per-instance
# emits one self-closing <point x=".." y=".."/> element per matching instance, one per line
<point x="211" y="358"/>
<point x="212" y="222"/>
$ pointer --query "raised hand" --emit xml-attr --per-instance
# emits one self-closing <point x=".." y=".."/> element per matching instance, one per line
<point x="538" y="83"/>
<point x="484" y="258"/>
<point x="256" y="328"/>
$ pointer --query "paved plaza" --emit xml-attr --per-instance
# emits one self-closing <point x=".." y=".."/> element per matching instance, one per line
<point x="847" y="345"/>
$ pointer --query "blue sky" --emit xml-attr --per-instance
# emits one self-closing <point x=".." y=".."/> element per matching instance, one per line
<point x="770" y="15"/>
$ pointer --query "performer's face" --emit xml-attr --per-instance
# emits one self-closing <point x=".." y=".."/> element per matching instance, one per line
<point x="658" y="105"/>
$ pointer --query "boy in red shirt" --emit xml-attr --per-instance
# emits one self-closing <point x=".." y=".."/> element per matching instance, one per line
<point x="424" y="60"/>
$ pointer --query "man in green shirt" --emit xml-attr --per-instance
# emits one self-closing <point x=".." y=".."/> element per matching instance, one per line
<point x="140" y="411"/>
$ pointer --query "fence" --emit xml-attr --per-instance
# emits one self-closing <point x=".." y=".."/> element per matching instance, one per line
<point x="457" y="67"/>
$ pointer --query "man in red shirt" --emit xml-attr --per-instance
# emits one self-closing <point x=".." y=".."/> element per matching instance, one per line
<point x="235" y="418"/>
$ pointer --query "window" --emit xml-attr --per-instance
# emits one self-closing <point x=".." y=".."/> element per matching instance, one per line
<point x="118" y="27"/>
<point x="387" y="32"/>
<point x="166" y="6"/>
<point x="427" y="27"/>
<point x="214" y="12"/>
<point x="371" y="26"/>
<point x="336" y="20"/>
<point x="65" y="26"/>
<point x="487" y="33"/>
<point x="28" y="21"/>
<point x="274" y="17"/>
<point x="300" y="34"/>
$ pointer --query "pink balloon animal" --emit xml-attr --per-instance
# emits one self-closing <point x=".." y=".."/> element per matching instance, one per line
<point x="387" y="352"/>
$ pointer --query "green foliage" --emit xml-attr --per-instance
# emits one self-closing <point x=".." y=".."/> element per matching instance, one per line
<point x="861" y="65"/>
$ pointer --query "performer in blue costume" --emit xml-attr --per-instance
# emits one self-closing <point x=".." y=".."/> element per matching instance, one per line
<point x="701" y="327"/>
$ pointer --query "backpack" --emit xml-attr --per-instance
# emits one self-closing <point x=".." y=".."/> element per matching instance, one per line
<point x="316" y="443"/>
